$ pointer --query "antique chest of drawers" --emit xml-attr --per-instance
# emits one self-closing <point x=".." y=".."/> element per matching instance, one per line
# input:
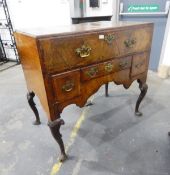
<point x="66" y="65"/>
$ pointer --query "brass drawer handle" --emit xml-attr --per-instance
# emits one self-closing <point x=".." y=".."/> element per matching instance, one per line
<point x="68" y="86"/>
<point x="109" y="38"/>
<point x="92" y="72"/>
<point x="83" y="51"/>
<point x="123" y="64"/>
<point x="139" y="65"/>
<point x="129" y="43"/>
<point x="109" y="67"/>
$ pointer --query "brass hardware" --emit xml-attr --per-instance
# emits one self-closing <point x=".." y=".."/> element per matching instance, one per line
<point x="109" y="67"/>
<point x="129" y="43"/>
<point x="92" y="72"/>
<point x="123" y="64"/>
<point x="109" y="38"/>
<point x="139" y="64"/>
<point x="83" y="51"/>
<point x="69" y="85"/>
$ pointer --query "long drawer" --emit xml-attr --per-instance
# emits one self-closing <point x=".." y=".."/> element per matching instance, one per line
<point x="69" y="52"/>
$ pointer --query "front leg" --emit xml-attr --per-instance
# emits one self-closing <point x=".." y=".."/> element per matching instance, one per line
<point x="143" y="88"/>
<point x="30" y="96"/>
<point x="55" y="130"/>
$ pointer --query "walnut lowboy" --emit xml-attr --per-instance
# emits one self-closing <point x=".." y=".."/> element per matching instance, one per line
<point x="64" y="68"/>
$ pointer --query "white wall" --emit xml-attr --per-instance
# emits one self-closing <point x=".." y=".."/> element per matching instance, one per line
<point x="39" y="13"/>
<point x="34" y="14"/>
<point x="164" y="64"/>
<point x="43" y="13"/>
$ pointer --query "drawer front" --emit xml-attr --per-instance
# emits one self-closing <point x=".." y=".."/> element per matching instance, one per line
<point x="105" y="68"/>
<point x="91" y="72"/>
<point x="140" y="63"/>
<point x="132" y="41"/>
<point x="66" y="86"/>
<point x="61" y="54"/>
<point x="70" y="52"/>
<point x="108" y="45"/>
<point x="116" y="65"/>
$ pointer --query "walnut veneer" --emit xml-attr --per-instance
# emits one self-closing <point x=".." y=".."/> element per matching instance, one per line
<point x="66" y="65"/>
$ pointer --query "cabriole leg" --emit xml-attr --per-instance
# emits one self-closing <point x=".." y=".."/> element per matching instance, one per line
<point x="106" y="89"/>
<point x="30" y="96"/>
<point x="55" y="131"/>
<point x="143" y="88"/>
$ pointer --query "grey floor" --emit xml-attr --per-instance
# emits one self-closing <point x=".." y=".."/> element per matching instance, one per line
<point x="7" y="65"/>
<point x="111" y="140"/>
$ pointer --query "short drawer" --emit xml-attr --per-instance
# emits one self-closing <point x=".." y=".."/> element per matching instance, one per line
<point x="132" y="41"/>
<point x="139" y="63"/>
<point x="66" y="86"/>
<point x="91" y="72"/>
<point x="105" y="68"/>
<point x="116" y="65"/>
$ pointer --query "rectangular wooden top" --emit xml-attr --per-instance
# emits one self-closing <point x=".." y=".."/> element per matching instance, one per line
<point x="77" y="28"/>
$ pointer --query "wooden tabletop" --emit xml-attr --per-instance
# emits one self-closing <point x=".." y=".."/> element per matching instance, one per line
<point x="76" y="28"/>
